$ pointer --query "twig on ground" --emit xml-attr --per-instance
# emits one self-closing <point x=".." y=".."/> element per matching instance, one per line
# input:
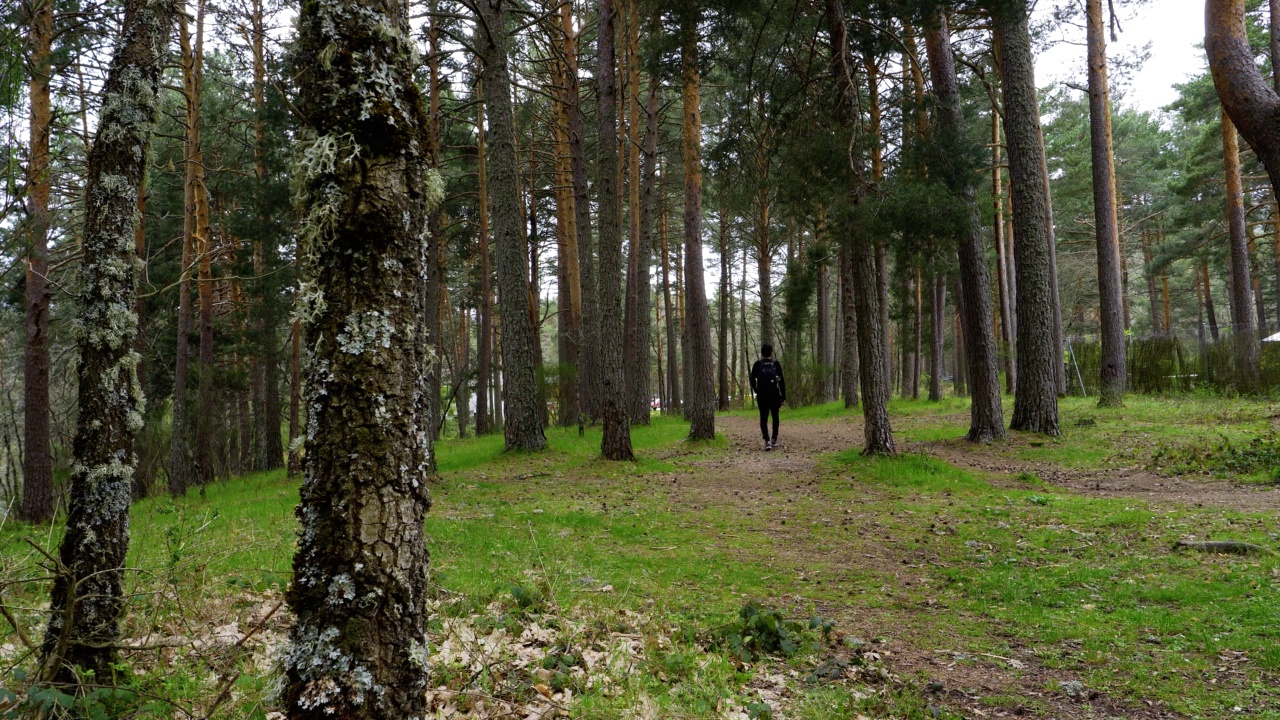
<point x="1234" y="547"/>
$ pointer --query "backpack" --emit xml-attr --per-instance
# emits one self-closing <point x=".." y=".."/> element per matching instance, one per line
<point x="768" y="375"/>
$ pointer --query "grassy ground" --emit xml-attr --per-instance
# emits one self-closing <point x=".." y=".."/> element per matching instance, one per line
<point x="628" y="580"/>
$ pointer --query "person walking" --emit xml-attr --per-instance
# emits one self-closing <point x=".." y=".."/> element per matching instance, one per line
<point x="770" y="388"/>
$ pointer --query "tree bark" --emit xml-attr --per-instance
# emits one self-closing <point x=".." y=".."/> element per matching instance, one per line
<point x="1208" y="300"/>
<point x="1157" y="328"/>
<point x="938" y="319"/>
<point x="1055" y="295"/>
<point x="37" y="458"/>
<point x="986" y="416"/>
<point x="88" y="593"/>
<point x="616" y="442"/>
<point x="639" y="338"/>
<point x="1252" y="105"/>
<point x="434" y="380"/>
<point x="588" y="356"/>
<point x="1110" y="289"/>
<point x="671" y="401"/>
<point x="268" y="452"/>
<point x="872" y="348"/>
<point x="962" y="367"/>
<point x="764" y="265"/>
<point x="726" y="324"/>
<point x="849" y="372"/>
<point x="1243" y="330"/>
<point x="826" y="369"/>
<point x="295" y="398"/>
<point x="202" y="244"/>
<point x="569" y="295"/>
<point x="484" y="329"/>
<point x="522" y="425"/>
<point x="358" y="646"/>
<point x="700" y="382"/>
<point x="1008" y="321"/>
<point x="1036" y="399"/>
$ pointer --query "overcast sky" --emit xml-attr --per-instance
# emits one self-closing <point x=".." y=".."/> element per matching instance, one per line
<point x="1173" y="28"/>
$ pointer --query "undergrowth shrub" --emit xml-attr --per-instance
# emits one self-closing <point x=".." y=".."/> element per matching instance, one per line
<point x="1261" y="454"/>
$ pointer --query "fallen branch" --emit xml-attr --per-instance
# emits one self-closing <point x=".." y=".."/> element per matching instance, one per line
<point x="1234" y="547"/>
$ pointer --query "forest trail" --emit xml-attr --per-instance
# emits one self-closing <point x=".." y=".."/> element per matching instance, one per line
<point x="879" y="584"/>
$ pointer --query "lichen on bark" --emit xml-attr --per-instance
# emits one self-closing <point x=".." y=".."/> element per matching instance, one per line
<point x="87" y="599"/>
<point x="364" y="190"/>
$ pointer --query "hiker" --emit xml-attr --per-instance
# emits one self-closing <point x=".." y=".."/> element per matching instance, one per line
<point x="770" y="388"/>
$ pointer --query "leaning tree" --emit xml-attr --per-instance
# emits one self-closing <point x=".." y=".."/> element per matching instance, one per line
<point x="88" y="594"/>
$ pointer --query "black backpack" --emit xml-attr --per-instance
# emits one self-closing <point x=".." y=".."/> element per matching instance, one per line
<point x="768" y="375"/>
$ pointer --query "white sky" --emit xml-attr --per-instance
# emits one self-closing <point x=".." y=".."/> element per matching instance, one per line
<point x="1172" y="27"/>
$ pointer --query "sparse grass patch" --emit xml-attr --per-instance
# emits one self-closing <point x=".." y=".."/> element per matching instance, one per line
<point x="1091" y="585"/>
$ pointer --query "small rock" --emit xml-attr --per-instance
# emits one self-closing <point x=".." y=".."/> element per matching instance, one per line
<point x="935" y="687"/>
<point x="1073" y="688"/>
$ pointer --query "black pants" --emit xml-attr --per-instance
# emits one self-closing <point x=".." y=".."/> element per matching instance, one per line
<point x="768" y="406"/>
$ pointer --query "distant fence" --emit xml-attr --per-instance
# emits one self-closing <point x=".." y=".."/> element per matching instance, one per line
<point x="1164" y="365"/>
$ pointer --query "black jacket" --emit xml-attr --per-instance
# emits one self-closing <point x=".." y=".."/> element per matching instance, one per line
<point x="765" y="391"/>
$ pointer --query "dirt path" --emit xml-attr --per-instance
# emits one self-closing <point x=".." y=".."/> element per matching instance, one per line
<point x="767" y="488"/>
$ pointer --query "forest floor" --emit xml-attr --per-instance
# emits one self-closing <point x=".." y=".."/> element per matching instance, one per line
<point x="1034" y="577"/>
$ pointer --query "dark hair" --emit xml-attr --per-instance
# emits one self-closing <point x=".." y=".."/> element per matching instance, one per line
<point x="766" y="350"/>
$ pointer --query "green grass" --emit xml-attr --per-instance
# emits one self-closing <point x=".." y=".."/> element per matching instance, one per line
<point x="1090" y="585"/>
<point x="911" y="549"/>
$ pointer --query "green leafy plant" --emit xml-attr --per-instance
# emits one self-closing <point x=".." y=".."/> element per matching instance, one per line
<point x="759" y="632"/>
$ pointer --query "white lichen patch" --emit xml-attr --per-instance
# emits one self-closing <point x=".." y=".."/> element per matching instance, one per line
<point x="366" y="332"/>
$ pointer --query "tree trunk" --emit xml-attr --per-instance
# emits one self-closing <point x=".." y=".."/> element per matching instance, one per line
<point x="522" y="413"/>
<point x="962" y="367"/>
<point x="1208" y="300"/>
<point x="938" y="318"/>
<point x="434" y="380"/>
<point x="484" y="329"/>
<point x="1059" y="366"/>
<point x="1157" y="328"/>
<point x="181" y="471"/>
<point x="1243" y="330"/>
<point x="1252" y="105"/>
<point x="874" y="368"/>
<point x="639" y="337"/>
<point x="268" y="452"/>
<point x="358" y="645"/>
<point x="463" y="372"/>
<point x="88" y="592"/>
<point x="849" y="371"/>
<point x="918" y="335"/>
<point x="588" y="346"/>
<point x="764" y="266"/>
<point x="616" y="443"/>
<point x="202" y="245"/>
<point x="1036" y="399"/>
<point x="726" y="322"/>
<point x="672" y="398"/>
<point x="295" y="398"/>
<point x="1008" y="321"/>
<point x="986" y="416"/>
<point x="826" y="371"/>
<point x="569" y="286"/>
<point x="37" y="458"/>
<point x="1110" y="289"/>
<point x="700" y="382"/>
